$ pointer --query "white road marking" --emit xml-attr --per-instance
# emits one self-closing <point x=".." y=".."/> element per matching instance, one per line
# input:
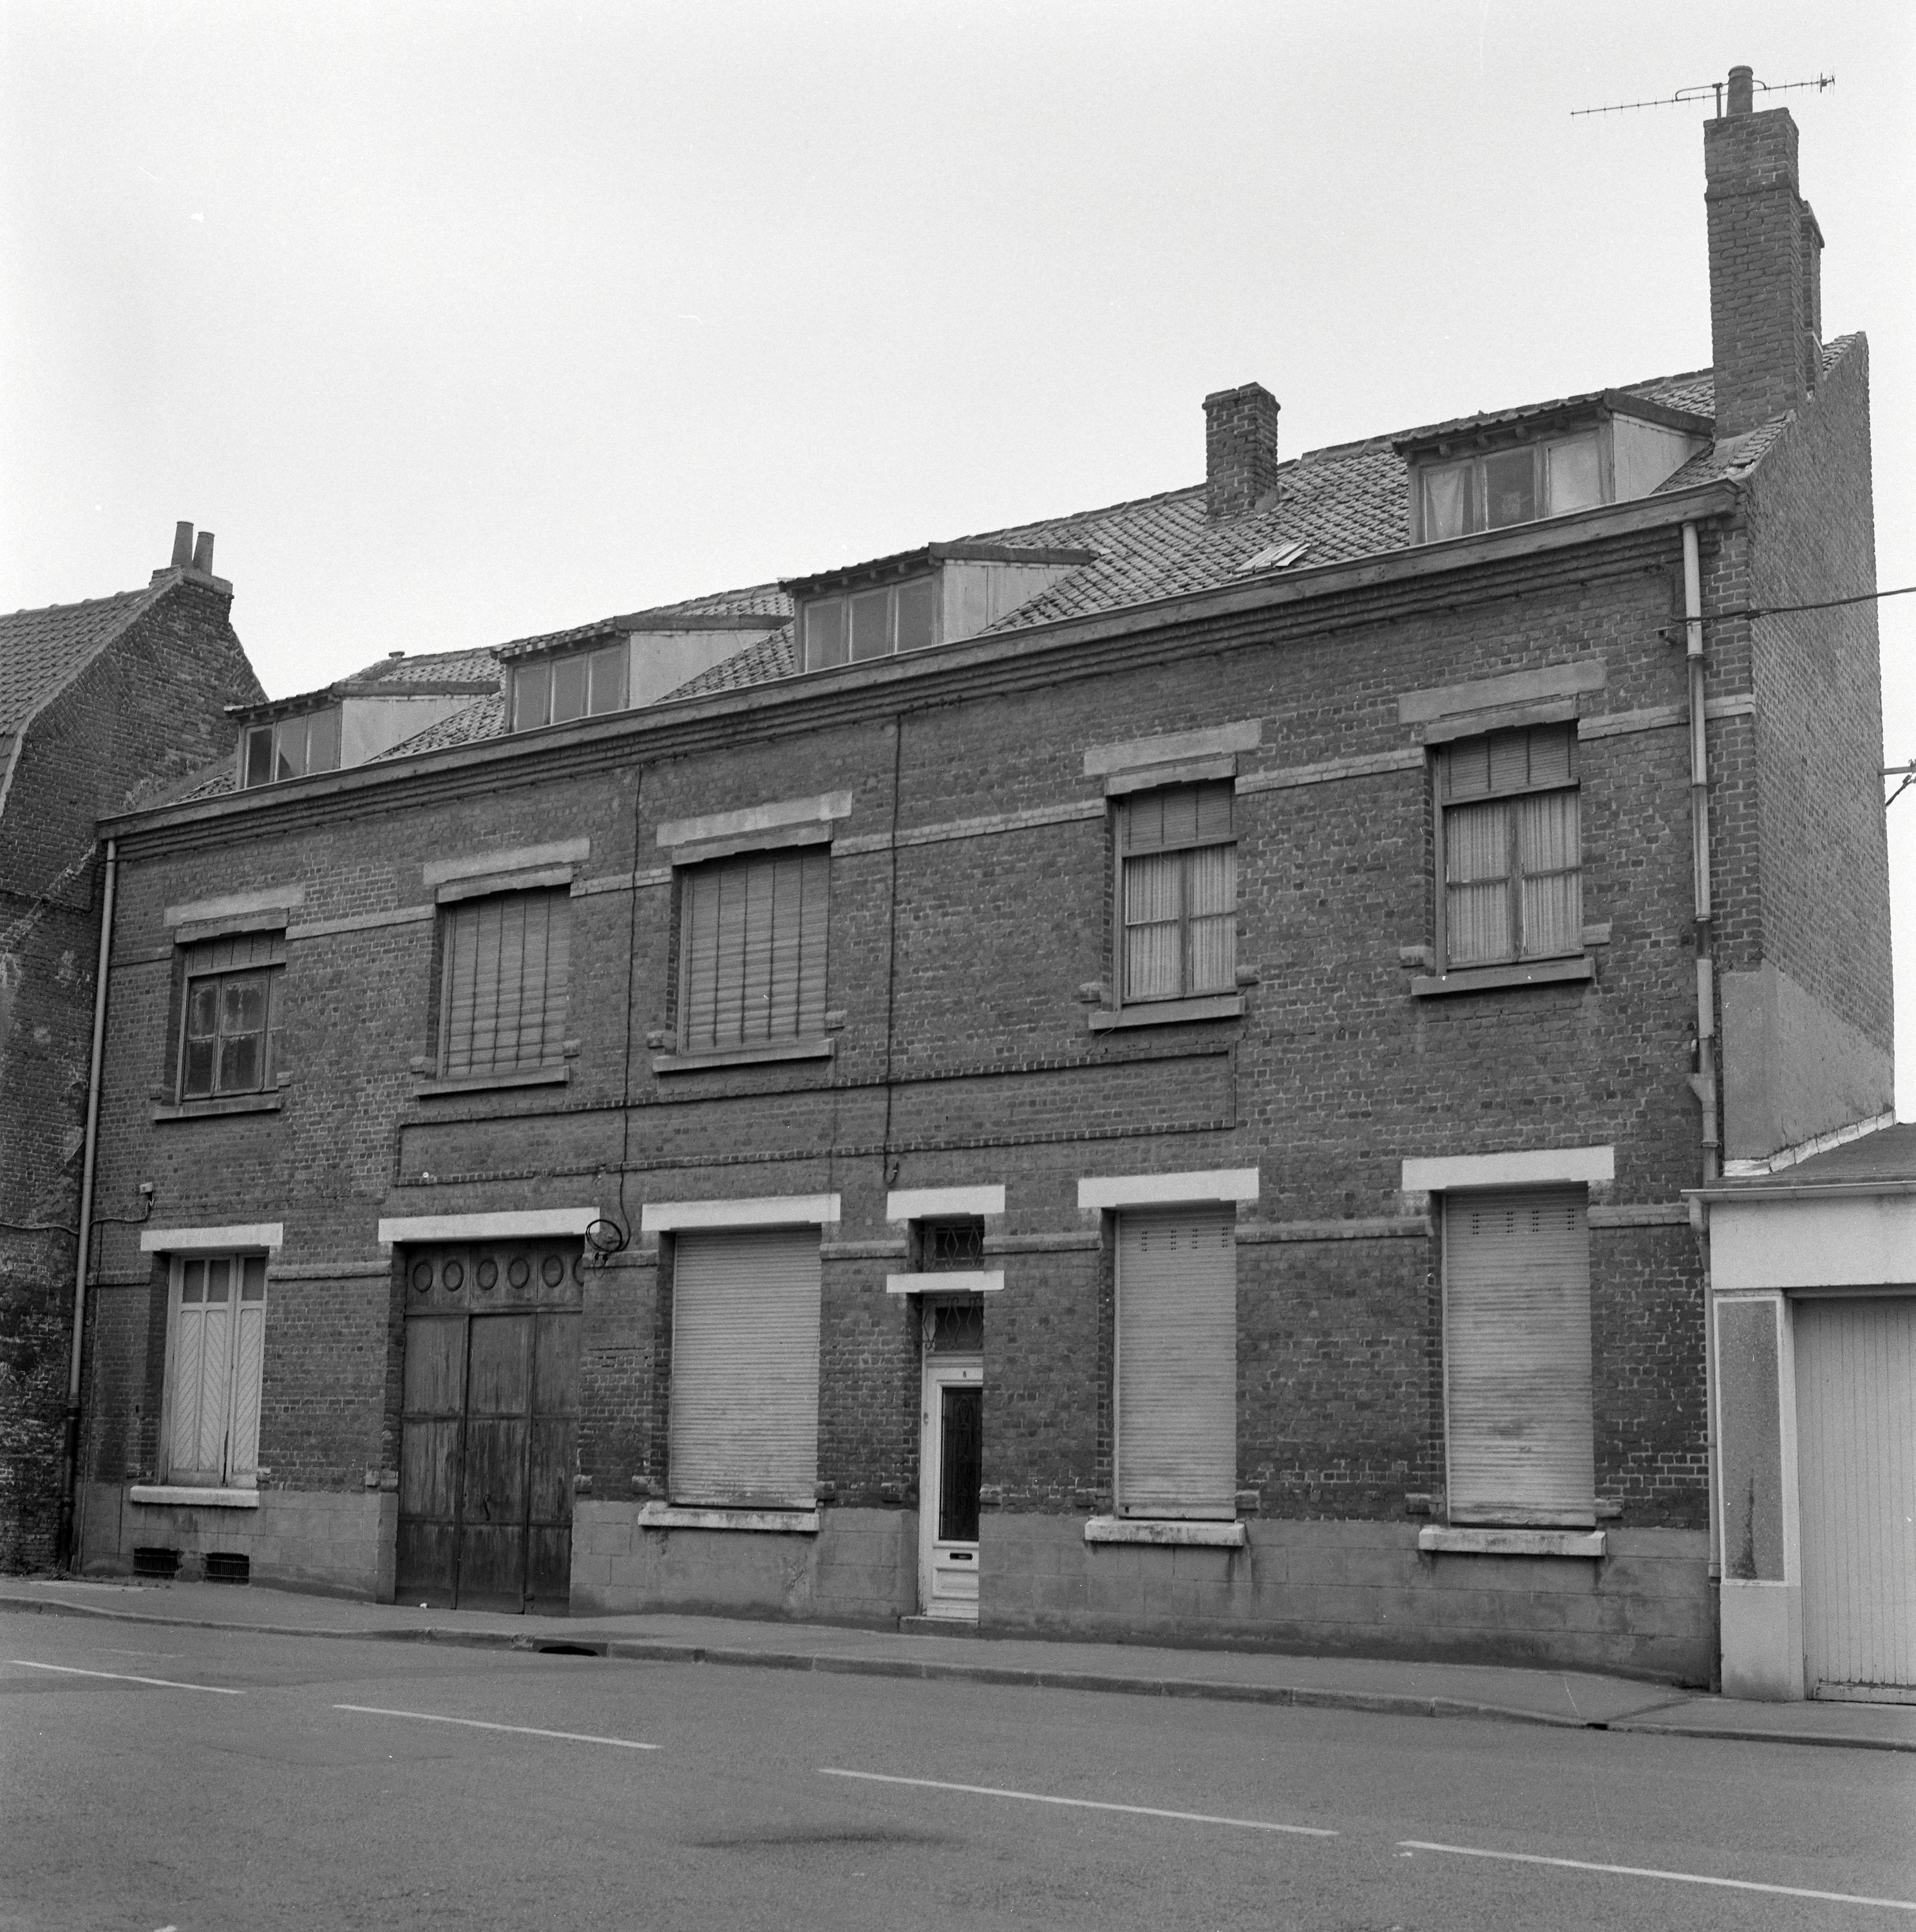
<point x="1081" y="1804"/>
<point x="1675" y="1877"/>
<point x="124" y="1677"/>
<point x="480" y="1724"/>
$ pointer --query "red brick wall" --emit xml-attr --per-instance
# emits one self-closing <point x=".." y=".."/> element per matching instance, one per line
<point x="1334" y="1076"/>
<point x="148" y="710"/>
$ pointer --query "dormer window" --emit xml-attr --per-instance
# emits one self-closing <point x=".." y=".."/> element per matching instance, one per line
<point x="873" y="623"/>
<point x="290" y="747"/>
<point x="580" y="684"/>
<point x="936" y="596"/>
<point x="1490" y="473"/>
<point x="1501" y="486"/>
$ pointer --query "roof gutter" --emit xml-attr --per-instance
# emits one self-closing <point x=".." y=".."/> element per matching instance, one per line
<point x="1761" y="1192"/>
<point x="1278" y="591"/>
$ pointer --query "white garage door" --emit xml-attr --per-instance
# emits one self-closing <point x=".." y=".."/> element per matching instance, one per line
<point x="1856" y="1459"/>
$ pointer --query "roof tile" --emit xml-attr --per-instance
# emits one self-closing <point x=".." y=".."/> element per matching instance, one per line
<point x="42" y="650"/>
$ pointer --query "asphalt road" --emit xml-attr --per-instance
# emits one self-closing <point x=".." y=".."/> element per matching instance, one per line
<point x="256" y="1781"/>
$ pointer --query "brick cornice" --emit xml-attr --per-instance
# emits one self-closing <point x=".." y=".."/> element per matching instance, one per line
<point x="1308" y="604"/>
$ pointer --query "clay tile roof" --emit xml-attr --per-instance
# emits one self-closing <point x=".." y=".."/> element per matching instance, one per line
<point x="771" y="658"/>
<point x="431" y="667"/>
<point x="756" y="604"/>
<point x="484" y="718"/>
<point x="1333" y="506"/>
<point x="42" y="651"/>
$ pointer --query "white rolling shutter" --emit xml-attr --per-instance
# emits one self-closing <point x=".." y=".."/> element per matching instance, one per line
<point x="1178" y="1363"/>
<point x="1856" y="1460"/>
<point x="745" y="1369"/>
<point x="1516" y="1354"/>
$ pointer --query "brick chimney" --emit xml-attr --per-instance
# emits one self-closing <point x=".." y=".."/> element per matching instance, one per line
<point x="1240" y="449"/>
<point x="1765" y="264"/>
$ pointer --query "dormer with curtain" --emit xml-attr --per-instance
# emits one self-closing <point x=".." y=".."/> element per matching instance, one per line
<point x="1488" y="473"/>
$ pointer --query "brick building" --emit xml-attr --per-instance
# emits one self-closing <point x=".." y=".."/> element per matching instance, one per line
<point x="99" y="702"/>
<point x="1131" y="1075"/>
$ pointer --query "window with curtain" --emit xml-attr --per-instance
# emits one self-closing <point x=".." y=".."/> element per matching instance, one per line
<point x="230" y="1021"/>
<point x="502" y="995"/>
<point x="751" y="949"/>
<point x="1490" y="492"/>
<point x="1178" y="892"/>
<point x="1511" y="841"/>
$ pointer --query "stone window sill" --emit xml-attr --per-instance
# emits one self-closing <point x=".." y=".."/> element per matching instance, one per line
<point x="179" y="1496"/>
<point x="1494" y="979"/>
<point x="225" y="1103"/>
<point x="1178" y="1534"/>
<point x="481" y="1083"/>
<point x="672" y="1516"/>
<point x="1457" y="1541"/>
<point x="743" y="1056"/>
<point x="1168" y="1012"/>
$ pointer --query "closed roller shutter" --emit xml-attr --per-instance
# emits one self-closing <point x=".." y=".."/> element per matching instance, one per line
<point x="752" y="968"/>
<point x="1517" y="1352"/>
<point x="1856" y="1461"/>
<point x="1178" y="1363"/>
<point x="745" y="1370"/>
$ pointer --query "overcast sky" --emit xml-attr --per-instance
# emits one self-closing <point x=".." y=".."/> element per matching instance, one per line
<point x="458" y="322"/>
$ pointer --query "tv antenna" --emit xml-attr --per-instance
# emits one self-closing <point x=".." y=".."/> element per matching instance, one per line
<point x="1686" y="96"/>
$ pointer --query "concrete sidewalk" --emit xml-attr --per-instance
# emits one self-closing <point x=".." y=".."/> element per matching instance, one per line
<point x="1573" y="1700"/>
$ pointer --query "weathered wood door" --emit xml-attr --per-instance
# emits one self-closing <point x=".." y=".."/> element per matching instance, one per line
<point x="489" y="1427"/>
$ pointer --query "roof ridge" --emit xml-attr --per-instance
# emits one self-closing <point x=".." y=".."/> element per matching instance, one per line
<point x="79" y="603"/>
<point x="1082" y="516"/>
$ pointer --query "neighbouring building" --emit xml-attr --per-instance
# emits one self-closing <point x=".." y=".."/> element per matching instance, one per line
<point x="1813" y="1333"/>
<point x="99" y="702"/>
<point x="1135" y="1075"/>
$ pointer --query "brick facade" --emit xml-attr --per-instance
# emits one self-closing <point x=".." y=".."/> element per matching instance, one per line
<point x="970" y="944"/>
<point x="145" y="710"/>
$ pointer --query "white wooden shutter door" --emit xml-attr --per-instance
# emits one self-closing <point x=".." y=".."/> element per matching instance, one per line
<point x="745" y="1369"/>
<point x="189" y="1346"/>
<point x="1178" y="1363"/>
<point x="1516" y="1352"/>
<point x="1856" y="1460"/>
<point x="248" y="1359"/>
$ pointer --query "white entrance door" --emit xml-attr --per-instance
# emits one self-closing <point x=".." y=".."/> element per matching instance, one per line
<point x="1856" y="1463"/>
<point x="950" y="1443"/>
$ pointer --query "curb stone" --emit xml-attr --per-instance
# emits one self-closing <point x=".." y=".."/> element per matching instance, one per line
<point x="654" y="1650"/>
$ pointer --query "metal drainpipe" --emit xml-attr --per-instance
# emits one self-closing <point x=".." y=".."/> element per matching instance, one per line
<point x="63" y="1551"/>
<point x="1703" y="1080"/>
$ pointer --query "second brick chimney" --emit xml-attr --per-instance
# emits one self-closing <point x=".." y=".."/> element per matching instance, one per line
<point x="1240" y="449"/>
<point x="1765" y="264"/>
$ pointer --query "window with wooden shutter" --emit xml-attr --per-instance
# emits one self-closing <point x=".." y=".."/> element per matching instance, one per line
<point x="503" y="995"/>
<point x="1178" y="1363"/>
<point x="1510" y="835"/>
<point x="230" y="1020"/>
<point x="1516" y="1356"/>
<point x="743" y="1425"/>
<point x="751" y="955"/>
<point x="1178" y="892"/>
<point x="216" y="1348"/>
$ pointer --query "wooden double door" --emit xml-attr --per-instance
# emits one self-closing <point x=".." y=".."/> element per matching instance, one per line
<point x="489" y="1427"/>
